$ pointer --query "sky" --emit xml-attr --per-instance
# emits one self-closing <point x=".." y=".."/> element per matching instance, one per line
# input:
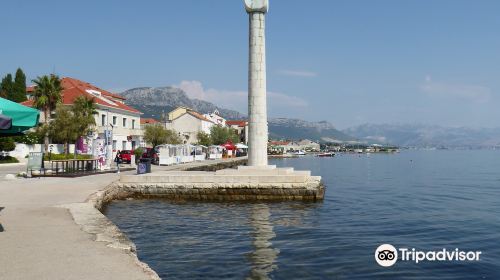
<point x="347" y="62"/>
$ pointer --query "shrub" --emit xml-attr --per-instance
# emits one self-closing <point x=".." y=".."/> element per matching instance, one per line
<point x="8" y="159"/>
<point x="7" y="144"/>
<point x="138" y="153"/>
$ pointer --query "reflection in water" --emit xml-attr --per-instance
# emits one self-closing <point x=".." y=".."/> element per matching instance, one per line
<point x="264" y="256"/>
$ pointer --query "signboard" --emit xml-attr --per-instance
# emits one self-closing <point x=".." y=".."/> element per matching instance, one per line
<point x="99" y="151"/>
<point x="141" y="168"/>
<point x="35" y="161"/>
<point x="108" y="134"/>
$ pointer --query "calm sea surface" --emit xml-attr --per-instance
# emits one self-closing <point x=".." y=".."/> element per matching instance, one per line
<point x="428" y="200"/>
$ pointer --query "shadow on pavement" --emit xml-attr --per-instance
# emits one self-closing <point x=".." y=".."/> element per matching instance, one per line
<point x="1" y="227"/>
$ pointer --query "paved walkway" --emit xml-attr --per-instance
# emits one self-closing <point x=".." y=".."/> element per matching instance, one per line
<point x="42" y="241"/>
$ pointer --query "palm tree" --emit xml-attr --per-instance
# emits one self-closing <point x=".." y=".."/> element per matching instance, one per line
<point x="47" y="95"/>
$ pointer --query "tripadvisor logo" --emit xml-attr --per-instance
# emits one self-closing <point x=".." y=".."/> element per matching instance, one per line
<point x="387" y="255"/>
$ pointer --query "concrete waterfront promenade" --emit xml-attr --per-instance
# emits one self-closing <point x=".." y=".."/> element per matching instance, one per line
<point x="41" y="239"/>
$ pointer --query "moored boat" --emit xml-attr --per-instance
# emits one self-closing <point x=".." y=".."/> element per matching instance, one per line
<point x="327" y="154"/>
<point x="297" y="153"/>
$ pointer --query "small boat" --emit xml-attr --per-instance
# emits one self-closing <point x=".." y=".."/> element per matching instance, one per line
<point x="327" y="154"/>
<point x="297" y="153"/>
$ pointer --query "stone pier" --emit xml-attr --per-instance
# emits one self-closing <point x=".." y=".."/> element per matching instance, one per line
<point x="223" y="185"/>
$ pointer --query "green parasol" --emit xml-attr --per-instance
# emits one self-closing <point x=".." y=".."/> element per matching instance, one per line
<point x="23" y="118"/>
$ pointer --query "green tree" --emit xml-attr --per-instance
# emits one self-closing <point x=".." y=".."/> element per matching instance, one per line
<point x="156" y="134"/>
<point x="19" y="87"/>
<point x="47" y="96"/>
<point x="30" y="137"/>
<point x="7" y="86"/>
<point x="221" y="135"/>
<point x="204" y="139"/>
<point x="7" y="144"/>
<point x="84" y="109"/>
<point x="63" y="129"/>
<point x="70" y="123"/>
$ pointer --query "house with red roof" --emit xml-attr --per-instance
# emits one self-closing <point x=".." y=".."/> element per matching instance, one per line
<point x="188" y="123"/>
<point x="146" y="121"/>
<point x="241" y="127"/>
<point x="113" y="114"/>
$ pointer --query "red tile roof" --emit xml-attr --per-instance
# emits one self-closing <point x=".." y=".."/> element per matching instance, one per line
<point x="72" y="88"/>
<point x="148" y="121"/>
<point x="198" y="116"/>
<point x="279" y="143"/>
<point x="238" y="123"/>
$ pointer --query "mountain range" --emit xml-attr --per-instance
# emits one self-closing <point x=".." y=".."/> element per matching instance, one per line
<point x="157" y="101"/>
<point x="421" y="135"/>
<point x="154" y="102"/>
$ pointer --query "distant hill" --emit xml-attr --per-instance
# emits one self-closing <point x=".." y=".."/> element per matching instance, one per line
<point x="153" y="102"/>
<point x="418" y="135"/>
<point x="283" y="128"/>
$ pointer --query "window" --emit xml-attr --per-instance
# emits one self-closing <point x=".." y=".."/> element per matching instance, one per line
<point x="114" y="144"/>
<point x="103" y="120"/>
<point x="133" y="142"/>
<point x="114" y="120"/>
<point x="133" y="124"/>
<point x="124" y="145"/>
<point x="124" y="122"/>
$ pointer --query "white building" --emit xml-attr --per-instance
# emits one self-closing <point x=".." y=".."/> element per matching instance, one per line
<point x="188" y="123"/>
<point x="112" y="114"/>
<point x="216" y="118"/>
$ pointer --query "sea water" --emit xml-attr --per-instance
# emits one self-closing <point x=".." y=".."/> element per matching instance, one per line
<point x="421" y="200"/>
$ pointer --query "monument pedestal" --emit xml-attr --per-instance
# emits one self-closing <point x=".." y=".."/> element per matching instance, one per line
<point x="245" y="183"/>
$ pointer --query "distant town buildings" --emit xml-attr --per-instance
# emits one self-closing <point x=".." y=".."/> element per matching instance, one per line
<point x="302" y="145"/>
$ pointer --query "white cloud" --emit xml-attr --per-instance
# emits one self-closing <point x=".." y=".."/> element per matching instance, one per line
<point x="237" y="99"/>
<point x="470" y="92"/>
<point x="296" y="73"/>
<point x="280" y="99"/>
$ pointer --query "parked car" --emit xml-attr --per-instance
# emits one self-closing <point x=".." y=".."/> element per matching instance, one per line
<point x="126" y="156"/>
<point x="152" y="154"/>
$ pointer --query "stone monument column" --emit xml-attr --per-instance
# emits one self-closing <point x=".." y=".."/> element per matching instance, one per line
<point x="257" y="92"/>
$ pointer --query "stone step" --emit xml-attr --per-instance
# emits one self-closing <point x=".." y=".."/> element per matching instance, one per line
<point x="254" y="171"/>
<point x="266" y="167"/>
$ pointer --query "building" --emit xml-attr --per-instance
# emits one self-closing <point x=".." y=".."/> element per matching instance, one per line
<point x="308" y="145"/>
<point x="216" y="118"/>
<point x="147" y="121"/>
<point x="287" y="146"/>
<point x="241" y="127"/>
<point x="112" y="113"/>
<point x="188" y="123"/>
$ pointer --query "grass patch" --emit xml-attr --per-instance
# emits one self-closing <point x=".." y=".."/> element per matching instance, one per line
<point x="64" y="156"/>
<point x="8" y="159"/>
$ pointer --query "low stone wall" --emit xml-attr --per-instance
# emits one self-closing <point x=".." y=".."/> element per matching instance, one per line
<point x="313" y="191"/>
<point x="217" y="166"/>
